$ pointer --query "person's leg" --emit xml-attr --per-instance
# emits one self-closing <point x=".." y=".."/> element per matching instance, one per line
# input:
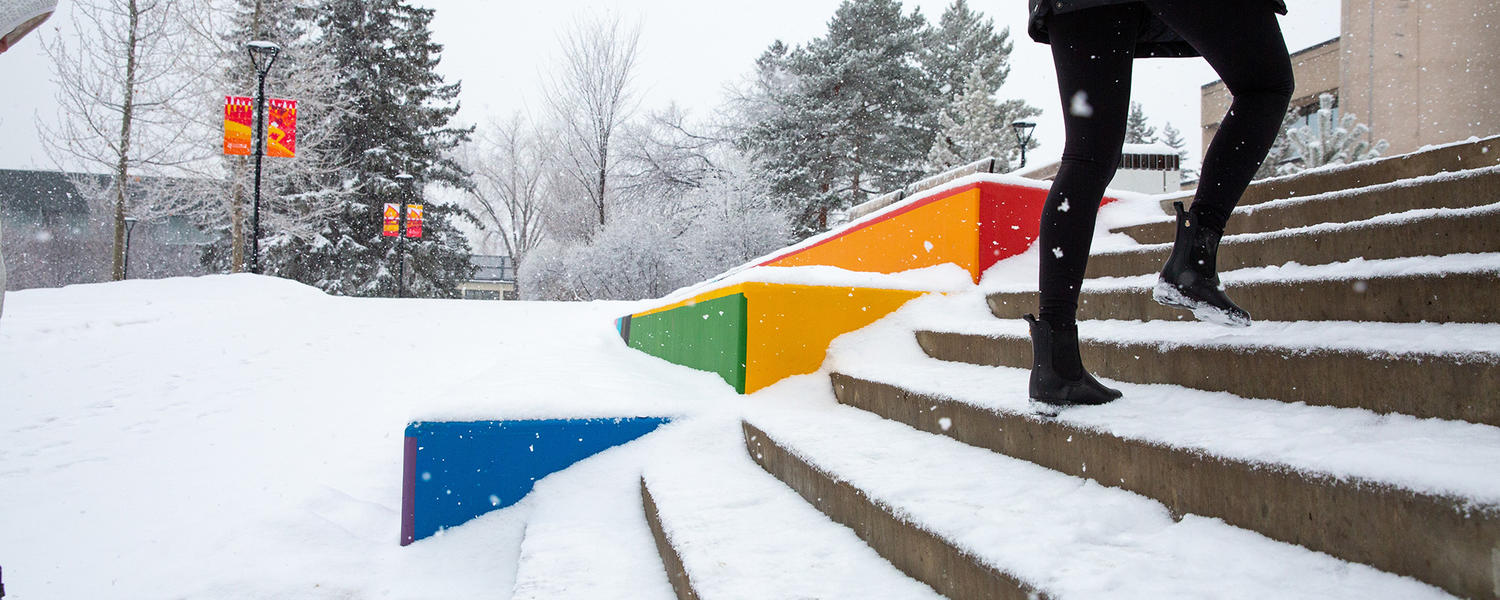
<point x="1242" y="41"/>
<point x="1092" y="50"/>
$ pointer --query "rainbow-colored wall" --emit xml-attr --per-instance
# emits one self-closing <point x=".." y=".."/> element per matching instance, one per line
<point x="973" y="225"/>
<point x="755" y="334"/>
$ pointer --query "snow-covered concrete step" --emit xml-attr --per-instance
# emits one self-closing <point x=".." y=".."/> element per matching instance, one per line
<point x="586" y="537"/>
<point x="975" y="524"/>
<point x="1466" y="155"/>
<point x="1446" y="190"/>
<point x="1419" y="497"/>
<point x="1427" y="232"/>
<point x="728" y="530"/>
<point x="1446" y="371"/>
<point x="1459" y="288"/>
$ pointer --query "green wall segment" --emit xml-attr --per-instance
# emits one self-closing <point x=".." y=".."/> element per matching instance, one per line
<point x="708" y="335"/>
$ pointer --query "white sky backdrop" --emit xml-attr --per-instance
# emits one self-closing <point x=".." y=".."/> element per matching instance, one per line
<point x="690" y="49"/>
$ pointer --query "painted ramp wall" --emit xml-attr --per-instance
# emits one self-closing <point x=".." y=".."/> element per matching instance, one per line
<point x="973" y="224"/>
<point x="456" y="471"/>
<point x="754" y="334"/>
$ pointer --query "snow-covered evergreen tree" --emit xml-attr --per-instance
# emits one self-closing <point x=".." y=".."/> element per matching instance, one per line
<point x="1137" y="130"/>
<point x="399" y="122"/>
<point x="962" y="41"/>
<point x="1173" y="139"/>
<point x="859" y="120"/>
<point x="976" y="126"/>
<point x="1330" y="140"/>
<point x="1280" y="148"/>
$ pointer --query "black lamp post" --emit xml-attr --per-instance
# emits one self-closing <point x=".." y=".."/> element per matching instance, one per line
<point x="1023" y="131"/>
<point x="405" y="180"/>
<point x="129" y="226"/>
<point x="262" y="54"/>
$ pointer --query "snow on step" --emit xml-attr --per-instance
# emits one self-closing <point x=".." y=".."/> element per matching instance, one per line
<point x="1068" y="537"/>
<point x="587" y="538"/>
<point x="743" y="534"/>
<point x="1399" y="218"/>
<point x="1355" y="191"/>
<point x="1292" y="273"/>
<point x="1433" y="456"/>
<point x="1477" y="342"/>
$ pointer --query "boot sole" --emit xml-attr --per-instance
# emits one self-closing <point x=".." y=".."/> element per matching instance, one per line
<point x="1047" y="409"/>
<point x="1166" y="294"/>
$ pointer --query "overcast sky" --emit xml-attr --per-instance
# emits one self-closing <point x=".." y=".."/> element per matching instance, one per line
<point x="690" y="49"/>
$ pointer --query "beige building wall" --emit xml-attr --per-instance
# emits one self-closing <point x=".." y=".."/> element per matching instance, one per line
<point x="1317" y="72"/>
<point x="1430" y="69"/>
<point x="1422" y="72"/>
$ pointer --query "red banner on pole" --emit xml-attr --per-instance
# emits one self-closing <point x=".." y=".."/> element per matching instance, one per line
<point x="414" y="220"/>
<point x="392" y="220"/>
<point x="239" y="115"/>
<point x="281" y="128"/>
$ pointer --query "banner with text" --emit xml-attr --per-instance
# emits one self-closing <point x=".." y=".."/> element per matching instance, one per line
<point x="392" y="220"/>
<point x="239" y="115"/>
<point x="414" y="220"/>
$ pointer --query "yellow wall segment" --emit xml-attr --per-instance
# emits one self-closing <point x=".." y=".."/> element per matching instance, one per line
<point x="791" y="326"/>
<point x="944" y="231"/>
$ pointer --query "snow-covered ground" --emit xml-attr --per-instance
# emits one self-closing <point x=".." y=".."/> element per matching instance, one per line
<point x="241" y="437"/>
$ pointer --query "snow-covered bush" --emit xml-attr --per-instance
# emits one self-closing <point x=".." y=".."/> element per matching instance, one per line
<point x="1330" y="141"/>
<point x="651" y="248"/>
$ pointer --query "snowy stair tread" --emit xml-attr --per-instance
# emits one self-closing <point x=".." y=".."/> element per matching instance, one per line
<point x="739" y="533"/>
<point x="1462" y="288"/>
<point x="1304" y="474"/>
<point x="1465" y="155"/>
<point x="1043" y="532"/>
<point x="1423" y="232"/>
<point x="1444" y="190"/>
<point x="1441" y="370"/>
<point x="588" y="545"/>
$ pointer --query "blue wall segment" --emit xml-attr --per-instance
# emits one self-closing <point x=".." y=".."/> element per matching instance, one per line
<point x="456" y="471"/>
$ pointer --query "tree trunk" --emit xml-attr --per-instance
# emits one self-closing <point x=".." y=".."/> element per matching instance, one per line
<point x="237" y="227"/>
<point x="122" y="169"/>
<point x="603" y="169"/>
<point x="2" y="277"/>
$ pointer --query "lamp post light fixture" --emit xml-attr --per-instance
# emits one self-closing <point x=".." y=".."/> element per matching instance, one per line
<point x="129" y="227"/>
<point x="262" y="55"/>
<point x="1023" y="131"/>
<point x="404" y="180"/>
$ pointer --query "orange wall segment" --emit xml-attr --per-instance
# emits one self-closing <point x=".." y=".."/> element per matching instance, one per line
<point x="789" y="327"/>
<point x="930" y="232"/>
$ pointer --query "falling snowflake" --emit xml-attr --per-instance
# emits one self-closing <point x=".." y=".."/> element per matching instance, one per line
<point x="1057" y="252"/>
<point x="1080" y="106"/>
<point x="1064" y="207"/>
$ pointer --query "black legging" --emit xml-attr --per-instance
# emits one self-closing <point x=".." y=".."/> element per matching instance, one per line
<point x="1093" y="50"/>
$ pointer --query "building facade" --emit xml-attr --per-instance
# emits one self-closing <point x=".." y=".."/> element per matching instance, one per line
<point x="494" y="279"/>
<point x="1418" y="73"/>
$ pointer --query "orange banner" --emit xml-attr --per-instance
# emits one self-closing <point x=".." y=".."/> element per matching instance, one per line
<point x="281" y="128"/>
<point x="392" y="220"/>
<point x="239" y="114"/>
<point x="414" y="220"/>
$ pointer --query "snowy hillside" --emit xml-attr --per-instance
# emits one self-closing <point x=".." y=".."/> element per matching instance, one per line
<point x="240" y="437"/>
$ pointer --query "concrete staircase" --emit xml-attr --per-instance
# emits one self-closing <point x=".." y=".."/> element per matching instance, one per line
<point x="1358" y="420"/>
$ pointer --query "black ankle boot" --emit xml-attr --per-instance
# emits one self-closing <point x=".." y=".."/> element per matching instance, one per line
<point x="1190" y="278"/>
<point x="1054" y="353"/>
